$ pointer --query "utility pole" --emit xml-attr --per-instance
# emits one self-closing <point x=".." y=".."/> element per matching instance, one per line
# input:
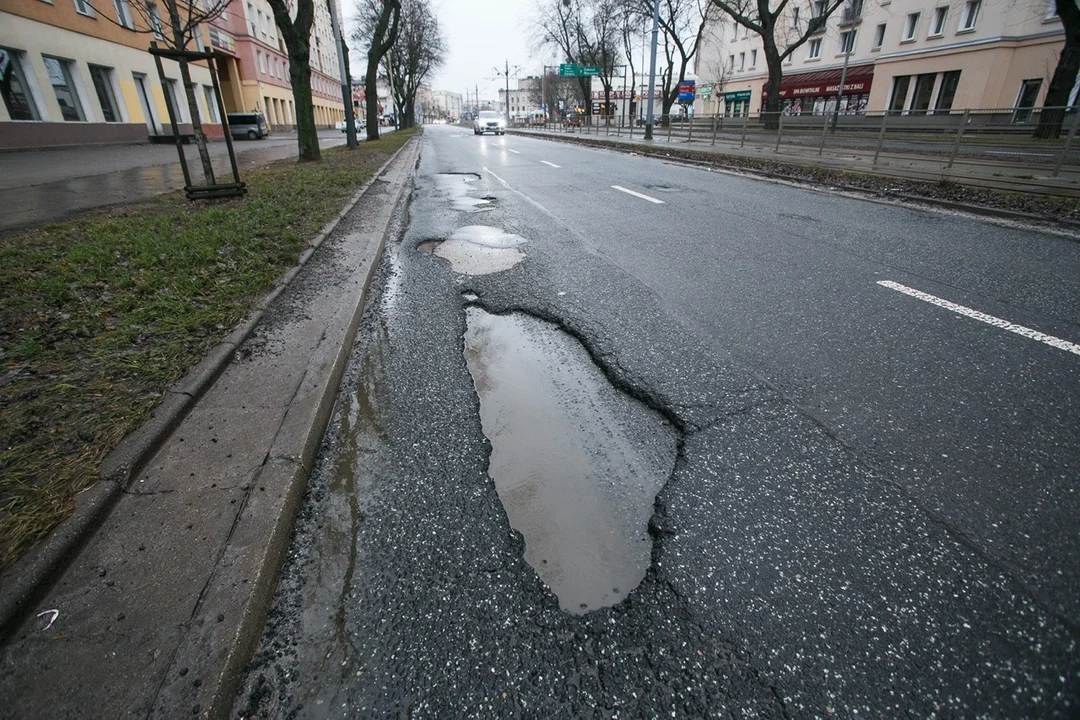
<point x="346" y="87"/>
<point x="652" y="69"/>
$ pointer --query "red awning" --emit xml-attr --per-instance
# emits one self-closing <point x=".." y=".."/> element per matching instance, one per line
<point x="827" y="82"/>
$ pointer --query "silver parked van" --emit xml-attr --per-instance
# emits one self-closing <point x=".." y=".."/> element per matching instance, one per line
<point x="248" y="125"/>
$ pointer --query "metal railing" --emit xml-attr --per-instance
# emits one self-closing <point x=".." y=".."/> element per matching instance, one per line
<point x="1004" y="135"/>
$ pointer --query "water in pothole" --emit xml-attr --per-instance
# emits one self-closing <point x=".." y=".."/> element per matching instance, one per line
<point x="478" y="249"/>
<point x="456" y="187"/>
<point x="576" y="462"/>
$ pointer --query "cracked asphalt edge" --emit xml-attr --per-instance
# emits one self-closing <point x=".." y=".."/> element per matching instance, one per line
<point x="27" y="580"/>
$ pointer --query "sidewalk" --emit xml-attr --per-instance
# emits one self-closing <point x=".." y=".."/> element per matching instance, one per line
<point x="162" y="606"/>
<point x="1013" y="175"/>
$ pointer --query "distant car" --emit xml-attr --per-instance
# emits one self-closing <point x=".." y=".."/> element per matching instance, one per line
<point x="489" y="121"/>
<point x="344" y="126"/>
<point x="248" y="125"/>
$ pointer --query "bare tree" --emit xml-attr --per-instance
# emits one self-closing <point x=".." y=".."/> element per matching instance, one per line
<point x="377" y="25"/>
<point x="583" y="32"/>
<point x="780" y="36"/>
<point x="1064" y="78"/>
<point x="184" y="21"/>
<point x="684" y="24"/>
<point x="419" y="49"/>
<point x="294" y="19"/>
<point x="554" y="91"/>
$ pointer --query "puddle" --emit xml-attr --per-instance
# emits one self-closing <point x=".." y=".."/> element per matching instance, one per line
<point x="477" y="250"/>
<point x="576" y="462"/>
<point x="456" y="186"/>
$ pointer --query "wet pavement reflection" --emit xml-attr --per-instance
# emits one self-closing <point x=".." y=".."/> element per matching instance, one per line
<point x="478" y="250"/>
<point x="577" y="464"/>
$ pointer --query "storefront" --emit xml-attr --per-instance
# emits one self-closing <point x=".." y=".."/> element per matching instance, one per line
<point x="815" y="93"/>
<point x="737" y="103"/>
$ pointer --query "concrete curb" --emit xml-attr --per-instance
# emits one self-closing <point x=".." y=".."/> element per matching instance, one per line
<point x="980" y="210"/>
<point x="25" y="582"/>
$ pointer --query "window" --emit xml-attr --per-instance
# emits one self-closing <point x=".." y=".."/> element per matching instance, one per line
<point x="899" y="93"/>
<point x="852" y="11"/>
<point x="815" y="49"/>
<point x="753" y="58"/>
<point x="262" y="61"/>
<point x="795" y="16"/>
<point x="211" y="104"/>
<point x="123" y="14"/>
<point x="970" y="15"/>
<point x="949" y="82"/>
<point x="63" y="85"/>
<point x="20" y="104"/>
<point x="173" y="88"/>
<point x="84" y="8"/>
<point x="251" y="20"/>
<point x="924" y="90"/>
<point x="817" y="9"/>
<point x="847" y="42"/>
<point x="937" y="27"/>
<point x="1025" y="101"/>
<point x="742" y="61"/>
<point x="155" y="20"/>
<point x="879" y="36"/>
<point x="103" y="86"/>
<point x="745" y="32"/>
<point x="911" y="26"/>
<point x="731" y="62"/>
<point x="1051" y="10"/>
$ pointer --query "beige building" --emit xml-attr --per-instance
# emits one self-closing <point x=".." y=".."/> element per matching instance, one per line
<point x="77" y="73"/>
<point x="906" y="56"/>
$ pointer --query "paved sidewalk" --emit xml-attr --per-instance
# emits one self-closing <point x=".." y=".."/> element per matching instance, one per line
<point x="163" y="605"/>
<point x="38" y="186"/>
<point x="1014" y="174"/>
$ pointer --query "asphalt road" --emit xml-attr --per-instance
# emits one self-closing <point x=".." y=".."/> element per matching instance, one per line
<point x="874" y="506"/>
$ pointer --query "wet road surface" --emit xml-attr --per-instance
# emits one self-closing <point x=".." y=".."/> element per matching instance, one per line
<point x="872" y="506"/>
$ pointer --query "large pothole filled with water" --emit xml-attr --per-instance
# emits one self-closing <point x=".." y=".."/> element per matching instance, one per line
<point x="456" y="187"/>
<point x="576" y="462"/>
<point x="477" y="249"/>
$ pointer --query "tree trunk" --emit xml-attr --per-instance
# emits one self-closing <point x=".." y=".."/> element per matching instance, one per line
<point x="388" y="20"/>
<point x="179" y="42"/>
<point x="307" y="135"/>
<point x="772" y="89"/>
<point x="371" y="93"/>
<point x="1064" y="78"/>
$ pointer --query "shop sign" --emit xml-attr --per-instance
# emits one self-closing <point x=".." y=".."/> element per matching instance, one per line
<point x="852" y="88"/>
<point x="737" y="96"/>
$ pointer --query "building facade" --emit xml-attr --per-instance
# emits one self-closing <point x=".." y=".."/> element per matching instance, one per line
<point x="524" y="100"/>
<point x="76" y="73"/>
<point x="253" y="65"/>
<point x="904" y="56"/>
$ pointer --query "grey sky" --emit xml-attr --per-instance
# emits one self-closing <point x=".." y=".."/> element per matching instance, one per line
<point x="481" y="36"/>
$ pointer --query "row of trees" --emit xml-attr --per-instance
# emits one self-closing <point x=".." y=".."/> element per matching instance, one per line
<point x="604" y="33"/>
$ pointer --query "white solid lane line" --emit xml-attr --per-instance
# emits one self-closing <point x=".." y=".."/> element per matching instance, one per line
<point x="498" y="178"/>
<point x="983" y="317"/>
<point x="637" y="194"/>
<point x="551" y="164"/>
<point x="513" y="151"/>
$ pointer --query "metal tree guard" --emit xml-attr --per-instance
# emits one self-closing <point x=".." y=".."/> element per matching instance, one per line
<point x="214" y="189"/>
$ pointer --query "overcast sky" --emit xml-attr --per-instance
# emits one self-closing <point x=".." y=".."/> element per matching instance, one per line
<point x="481" y="36"/>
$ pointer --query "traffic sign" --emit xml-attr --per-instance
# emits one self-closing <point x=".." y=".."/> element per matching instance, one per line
<point x="589" y="71"/>
<point x="574" y="70"/>
<point x="686" y="91"/>
<point x="568" y="70"/>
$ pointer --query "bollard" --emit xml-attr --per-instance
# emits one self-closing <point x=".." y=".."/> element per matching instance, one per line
<point x="715" y="124"/>
<point x="959" y="137"/>
<point x="1068" y="144"/>
<point x="779" y="132"/>
<point x="670" y="125"/>
<point x="881" y="136"/>
<point x="745" y="119"/>
<point x="824" y="131"/>
<point x="691" y="135"/>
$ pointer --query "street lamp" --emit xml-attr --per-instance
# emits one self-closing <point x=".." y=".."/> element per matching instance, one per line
<point x="652" y="70"/>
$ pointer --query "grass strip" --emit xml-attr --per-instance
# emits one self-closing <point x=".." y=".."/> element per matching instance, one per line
<point x="101" y="314"/>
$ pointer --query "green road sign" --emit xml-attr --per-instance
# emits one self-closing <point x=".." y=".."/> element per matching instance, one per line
<point x="588" y="70"/>
<point x="568" y="70"/>
<point x="574" y="70"/>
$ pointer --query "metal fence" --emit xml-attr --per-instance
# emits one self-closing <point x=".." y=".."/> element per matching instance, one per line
<point x="1009" y="135"/>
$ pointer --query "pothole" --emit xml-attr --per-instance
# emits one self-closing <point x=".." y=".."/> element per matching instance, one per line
<point x="576" y="462"/>
<point x="456" y="186"/>
<point x="477" y="249"/>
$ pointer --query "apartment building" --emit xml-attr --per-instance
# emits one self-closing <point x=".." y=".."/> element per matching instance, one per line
<point x="905" y="56"/>
<point x="522" y="100"/>
<point x="441" y="104"/>
<point x="76" y="72"/>
<point x="253" y="65"/>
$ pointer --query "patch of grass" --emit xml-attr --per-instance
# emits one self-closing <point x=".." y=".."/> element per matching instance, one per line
<point x="99" y="315"/>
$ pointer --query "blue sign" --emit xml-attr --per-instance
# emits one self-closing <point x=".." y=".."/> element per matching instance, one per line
<point x="686" y="91"/>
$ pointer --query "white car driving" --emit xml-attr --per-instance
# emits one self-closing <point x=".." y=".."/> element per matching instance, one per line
<point x="489" y="121"/>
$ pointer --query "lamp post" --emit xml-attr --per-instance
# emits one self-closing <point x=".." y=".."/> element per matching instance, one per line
<point x="652" y="71"/>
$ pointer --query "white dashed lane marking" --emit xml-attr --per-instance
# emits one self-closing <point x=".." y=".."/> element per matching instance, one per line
<point x="550" y="163"/>
<point x="620" y="188"/>
<point x="983" y="317"/>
